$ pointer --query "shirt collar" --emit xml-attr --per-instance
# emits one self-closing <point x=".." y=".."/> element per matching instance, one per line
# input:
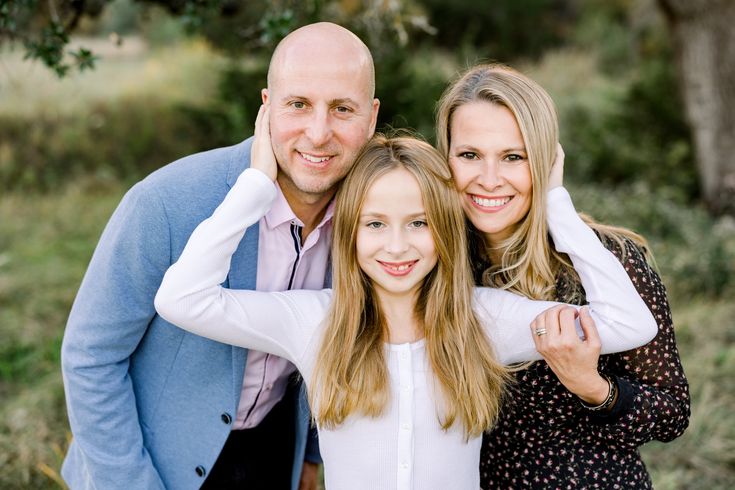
<point x="281" y="212"/>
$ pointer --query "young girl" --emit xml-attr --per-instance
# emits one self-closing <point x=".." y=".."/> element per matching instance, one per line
<point x="499" y="132"/>
<point x="402" y="360"/>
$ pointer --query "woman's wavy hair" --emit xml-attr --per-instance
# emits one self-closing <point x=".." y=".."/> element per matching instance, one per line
<point x="529" y="264"/>
<point x="351" y="375"/>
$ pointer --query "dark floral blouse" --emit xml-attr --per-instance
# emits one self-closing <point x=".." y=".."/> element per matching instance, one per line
<point x="545" y="439"/>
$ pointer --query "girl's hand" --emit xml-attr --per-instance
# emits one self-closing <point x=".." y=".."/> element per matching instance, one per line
<point x="261" y="153"/>
<point x="573" y="360"/>
<point x="556" y="175"/>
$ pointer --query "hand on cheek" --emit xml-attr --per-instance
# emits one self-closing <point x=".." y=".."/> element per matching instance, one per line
<point x="261" y="153"/>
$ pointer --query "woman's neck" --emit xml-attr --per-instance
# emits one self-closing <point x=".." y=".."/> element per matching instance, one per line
<point x="400" y="318"/>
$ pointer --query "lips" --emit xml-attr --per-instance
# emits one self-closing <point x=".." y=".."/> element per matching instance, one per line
<point x="315" y="160"/>
<point x="489" y="204"/>
<point x="398" y="269"/>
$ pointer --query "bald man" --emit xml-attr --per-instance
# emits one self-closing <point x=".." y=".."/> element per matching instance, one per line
<point x="152" y="406"/>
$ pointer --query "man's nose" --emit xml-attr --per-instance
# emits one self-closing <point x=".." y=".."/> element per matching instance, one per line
<point x="319" y="130"/>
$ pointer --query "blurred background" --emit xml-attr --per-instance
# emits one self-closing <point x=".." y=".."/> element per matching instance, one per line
<point x="94" y="95"/>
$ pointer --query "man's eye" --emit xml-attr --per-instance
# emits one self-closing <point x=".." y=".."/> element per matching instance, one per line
<point x="297" y="104"/>
<point x="343" y="109"/>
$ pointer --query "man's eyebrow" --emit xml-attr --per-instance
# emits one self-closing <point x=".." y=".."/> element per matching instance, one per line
<point x="333" y="102"/>
<point x="342" y="101"/>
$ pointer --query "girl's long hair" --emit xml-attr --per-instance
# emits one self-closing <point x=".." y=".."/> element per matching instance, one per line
<point x="350" y="375"/>
<point x="529" y="264"/>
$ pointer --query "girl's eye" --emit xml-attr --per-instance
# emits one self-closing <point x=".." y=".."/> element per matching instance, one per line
<point x="374" y="225"/>
<point x="419" y="223"/>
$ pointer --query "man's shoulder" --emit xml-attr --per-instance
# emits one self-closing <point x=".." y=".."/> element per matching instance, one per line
<point x="201" y="173"/>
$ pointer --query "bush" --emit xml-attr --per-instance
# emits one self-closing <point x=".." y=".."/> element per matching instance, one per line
<point x="695" y="252"/>
<point x="125" y="139"/>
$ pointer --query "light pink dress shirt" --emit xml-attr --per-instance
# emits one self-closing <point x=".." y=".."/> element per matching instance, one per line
<point x="283" y="263"/>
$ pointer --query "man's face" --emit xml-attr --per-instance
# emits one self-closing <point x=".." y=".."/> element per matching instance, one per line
<point x="321" y="113"/>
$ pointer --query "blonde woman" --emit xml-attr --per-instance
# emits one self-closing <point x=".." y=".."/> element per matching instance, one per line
<point x="576" y="419"/>
<point x="403" y="362"/>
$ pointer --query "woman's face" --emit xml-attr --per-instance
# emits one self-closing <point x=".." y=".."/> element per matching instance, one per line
<point x="395" y="247"/>
<point x="491" y="169"/>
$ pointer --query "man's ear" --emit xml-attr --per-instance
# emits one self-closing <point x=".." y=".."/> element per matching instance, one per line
<point x="264" y="95"/>
<point x="374" y="116"/>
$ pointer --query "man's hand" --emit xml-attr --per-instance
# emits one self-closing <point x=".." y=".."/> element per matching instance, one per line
<point x="261" y="153"/>
<point x="309" y="476"/>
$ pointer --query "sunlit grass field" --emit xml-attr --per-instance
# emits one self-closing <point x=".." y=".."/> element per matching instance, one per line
<point x="46" y="241"/>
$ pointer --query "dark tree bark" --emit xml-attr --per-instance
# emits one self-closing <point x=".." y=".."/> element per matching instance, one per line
<point x="704" y="36"/>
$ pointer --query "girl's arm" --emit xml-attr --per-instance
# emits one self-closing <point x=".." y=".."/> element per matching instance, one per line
<point x="622" y="318"/>
<point x="191" y="295"/>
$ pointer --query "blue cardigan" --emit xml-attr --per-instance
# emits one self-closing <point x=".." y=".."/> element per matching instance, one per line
<point x="150" y="405"/>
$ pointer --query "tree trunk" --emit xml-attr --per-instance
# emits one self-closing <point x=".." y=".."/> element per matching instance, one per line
<point x="704" y="36"/>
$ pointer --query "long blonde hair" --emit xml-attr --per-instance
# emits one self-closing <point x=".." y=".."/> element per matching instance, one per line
<point x="351" y="373"/>
<point x="529" y="265"/>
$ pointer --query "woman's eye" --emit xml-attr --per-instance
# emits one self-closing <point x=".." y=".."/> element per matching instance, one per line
<point x="374" y="225"/>
<point x="515" y="158"/>
<point x="468" y="155"/>
<point x="419" y="223"/>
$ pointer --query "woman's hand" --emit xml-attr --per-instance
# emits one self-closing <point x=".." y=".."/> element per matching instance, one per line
<point x="556" y="175"/>
<point x="261" y="153"/>
<point x="573" y="360"/>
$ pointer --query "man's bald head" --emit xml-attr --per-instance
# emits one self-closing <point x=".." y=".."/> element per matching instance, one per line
<point x="322" y="41"/>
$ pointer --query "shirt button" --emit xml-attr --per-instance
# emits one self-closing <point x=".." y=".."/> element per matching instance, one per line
<point x="226" y="418"/>
<point x="269" y="386"/>
<point x="200" y="470"/>
<point x="404" y="355"/>
<point x="404" y="465"/>
<point x="405" y="426"/>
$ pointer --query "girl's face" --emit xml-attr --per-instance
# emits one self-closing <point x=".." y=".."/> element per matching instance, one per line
<point x="491" y="169"/>
<point x="395" y="247"/>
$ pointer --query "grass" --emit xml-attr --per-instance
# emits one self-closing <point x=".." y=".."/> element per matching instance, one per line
<point x="46" y="243"/>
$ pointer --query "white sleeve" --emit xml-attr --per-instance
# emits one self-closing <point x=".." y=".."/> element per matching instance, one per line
<point x="191" y="295"/>
<point x="622" y="318"/>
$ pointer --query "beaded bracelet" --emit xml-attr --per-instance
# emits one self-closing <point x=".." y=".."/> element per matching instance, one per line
<point x="608" y="401"/>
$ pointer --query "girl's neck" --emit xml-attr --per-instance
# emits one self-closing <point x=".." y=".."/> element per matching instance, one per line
<point x="400" y="318"/>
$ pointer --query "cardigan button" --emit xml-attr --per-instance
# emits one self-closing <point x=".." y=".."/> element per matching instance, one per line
<point x="226" y="418"/>
<point x="200" y="470"/>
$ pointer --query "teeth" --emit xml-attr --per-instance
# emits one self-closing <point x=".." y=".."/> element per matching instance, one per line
<point x="314" y="159"/>
<point x="399" y="268"/>
<point x="490" y="203"/>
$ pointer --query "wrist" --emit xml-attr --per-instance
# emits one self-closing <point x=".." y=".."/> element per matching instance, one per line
<point x="610" y="397"/>
<point x="595" y="391"/>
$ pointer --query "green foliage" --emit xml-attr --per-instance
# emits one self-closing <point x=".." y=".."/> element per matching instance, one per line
<point x="501" y="30"/>
<point x="408" y="87"/>
<point x="48" y="151"/>
<point x="636" y="133"/>
<point x="694" y="251"/>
